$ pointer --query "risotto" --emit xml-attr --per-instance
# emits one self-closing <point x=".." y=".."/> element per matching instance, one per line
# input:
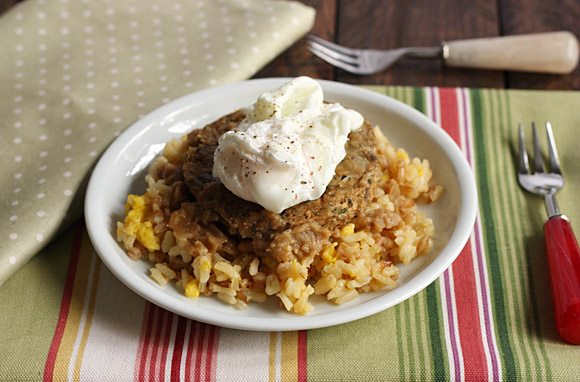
<point x="334" y="248"/>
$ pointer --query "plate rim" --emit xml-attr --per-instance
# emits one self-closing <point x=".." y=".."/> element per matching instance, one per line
<point x="461" y="233"/>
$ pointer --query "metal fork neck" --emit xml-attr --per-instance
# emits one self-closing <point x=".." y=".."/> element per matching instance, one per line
<point x="552" y="205"/>
<point x="424" y="52"/>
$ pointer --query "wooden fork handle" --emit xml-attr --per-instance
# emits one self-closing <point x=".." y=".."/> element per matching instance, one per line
<point x="552" y="52"/>
<point x="564" y="267"/>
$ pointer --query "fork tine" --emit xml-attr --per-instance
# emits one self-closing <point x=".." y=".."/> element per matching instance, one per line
<point x="332" y="46"/>
<point x="538" y="164"/>
<point x="523" y="166"/>
<point x="553" y="153"/>
<point x="331" y="53"/>
<point x="331" y="60"/>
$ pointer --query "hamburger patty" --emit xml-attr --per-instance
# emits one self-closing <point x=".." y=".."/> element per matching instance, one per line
<point x="298" y="231"/>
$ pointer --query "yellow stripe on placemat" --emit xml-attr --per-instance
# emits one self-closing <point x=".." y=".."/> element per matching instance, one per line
<point x="283" y="358"/>
<point x="73" y="320"/>
<point x="289" y="361"/>
<point x="273" y="364"/>
<point x="88" y="319"/>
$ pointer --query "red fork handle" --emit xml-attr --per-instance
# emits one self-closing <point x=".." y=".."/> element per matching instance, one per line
<point x="564" y="266"/>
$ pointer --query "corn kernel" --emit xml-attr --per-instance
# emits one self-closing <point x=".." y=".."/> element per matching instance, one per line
<point x="329" y="253"/>
<point x="136" y="224"/>
<point x="138" y="201"/>
<point x="347" y="229"/>
<point x="147" y="237"/>
<point x="402" y="154"/>
<point x="191" y="289"/>
<point x="205" y="265"/>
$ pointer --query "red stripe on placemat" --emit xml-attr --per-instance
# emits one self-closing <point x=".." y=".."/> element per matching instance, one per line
<point x="152" y="359"/>
<point x="202" y="348"/>
<point x="449" y="113"/>
<point x="199" y="351"/>
<point x="302" y="356"/>
<point x="153" y="347"/>
<point x="65" y="304"/>
<point x="194" y="327"/>
<point x="166" y="338"/>
<point x="468" y="313"/>
<point x="465" y="286"/>
<point x="211" y="359"/>
<point x="178" y="348"/>
<point x="144" y="342"/>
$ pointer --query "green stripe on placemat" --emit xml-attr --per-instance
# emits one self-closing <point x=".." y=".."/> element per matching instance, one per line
<point x="35" y="294"/>
<point x="494" y="267"/>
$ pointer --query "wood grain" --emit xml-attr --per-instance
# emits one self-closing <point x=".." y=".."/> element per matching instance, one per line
<point x="399" y="23"/>
<point x="528" y="16"/>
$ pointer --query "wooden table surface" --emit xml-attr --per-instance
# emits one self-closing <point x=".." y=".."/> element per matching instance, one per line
<point x="397" y="23"/>
<point x="385" y="24"/>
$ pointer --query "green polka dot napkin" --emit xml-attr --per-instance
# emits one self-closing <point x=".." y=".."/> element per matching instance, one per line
<point x="75" y="73"/>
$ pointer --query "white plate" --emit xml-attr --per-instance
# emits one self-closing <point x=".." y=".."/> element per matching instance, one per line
<point x="121" y="170"/>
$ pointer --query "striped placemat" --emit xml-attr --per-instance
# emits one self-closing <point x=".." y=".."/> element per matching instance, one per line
<point x="488" y="317"/>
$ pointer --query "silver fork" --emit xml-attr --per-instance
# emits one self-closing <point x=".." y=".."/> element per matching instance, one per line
<point x="561" y="246"/>
<point x="365" y="61"/>
<point x="552" y="52"/>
